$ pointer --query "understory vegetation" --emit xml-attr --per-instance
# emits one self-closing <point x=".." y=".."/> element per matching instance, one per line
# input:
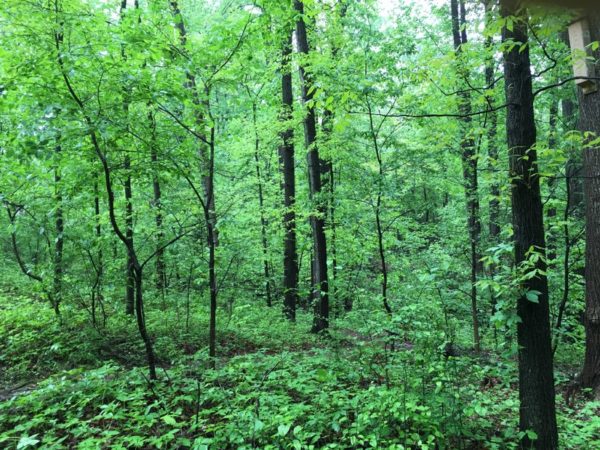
<point x="275" y="386"/>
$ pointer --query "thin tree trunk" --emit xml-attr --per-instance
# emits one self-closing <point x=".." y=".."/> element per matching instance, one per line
<point x="321" y="288"/>
<point x="130" y="282"/>
<point x="469" y="161"/>
<point x="261" y="207"/>
<point x="566" y="263"/>
<point x="137" y="268"/>
<point x="552" y="183"/>
<point x="378" y="207"/>
<point x="59" y="229"/>
<point x="536" y="379"/>
<point x="206" y="153"/>
<point x="161" y="275"/>
<point x="98" y="296"/>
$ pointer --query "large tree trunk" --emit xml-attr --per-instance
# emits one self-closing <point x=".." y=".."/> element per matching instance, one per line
<point x="589" y="106"/>
<point x="469" y="160"/>
<point x="321" y="289"/>
<point x="536" y="380"/>
<point x="286" y="159"/>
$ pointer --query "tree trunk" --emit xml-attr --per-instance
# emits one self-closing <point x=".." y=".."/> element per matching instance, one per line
<point x="589" y="107"/>
<point x="59" y="229"/>
<point x="552" y="238"/>
<point x="206" y="153"/>
<point x="261" y="207"/>
<point x="469" y="160"/>
<point x="130" y="282"/>
<point x="536" y="380"/>
<point x="378" y="208"/>
<point x="132" y="255"/>
<point x="321" y="289"/>
<point x="287" y="164"/>
<point x="161" y="276"/>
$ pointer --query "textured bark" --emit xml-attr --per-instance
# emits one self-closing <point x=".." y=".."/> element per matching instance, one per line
<point x="589" y="107"/>
<point x="320" y="287"/>
<point x="469" y="160"/>
<point x="536" y="380"/>
<point x="287" y="164"/>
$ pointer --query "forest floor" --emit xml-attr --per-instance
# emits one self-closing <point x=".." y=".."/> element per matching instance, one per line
<point x="72" y="385"/>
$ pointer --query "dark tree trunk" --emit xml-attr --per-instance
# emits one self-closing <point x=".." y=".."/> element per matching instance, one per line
<point x="59" y="229"/>
<point x="378" y="211"/>
<point x="129" y="281"/>
<point x="469" y="160"/>
<point x="589" y="107"/>
<point x="320" y="287"/>
<point x="536" y="379"/>
<point x="97" y="296"/>
<point x="132" y="255"/>
<point x="286" y="159"/>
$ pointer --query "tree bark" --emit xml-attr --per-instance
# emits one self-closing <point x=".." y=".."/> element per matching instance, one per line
<point x="320" y="287"/>
<point x="287" y="164"/>
<point x="589" y="107"/>
<point x="536" y="380"/>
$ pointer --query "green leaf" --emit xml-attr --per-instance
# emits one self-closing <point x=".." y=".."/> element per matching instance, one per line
<point x="533" y="296"/>
<point x="282" y="430"/>
<point x="169" y="420"/>
<point x="27" y="441"/>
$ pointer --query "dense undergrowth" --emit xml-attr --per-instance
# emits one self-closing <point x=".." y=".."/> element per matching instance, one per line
<point x="70" y="385"/>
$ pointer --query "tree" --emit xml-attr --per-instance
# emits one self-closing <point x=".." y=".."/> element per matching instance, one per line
<point x="469" y="158"/>
<point x="589" y="107"/>
<point x="536" y="379"/>
<point x="320" y="287"/>
<point x="287" y="164"/>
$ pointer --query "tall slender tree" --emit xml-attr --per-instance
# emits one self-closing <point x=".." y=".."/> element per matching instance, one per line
<point x="287" y="164"/>
<point x="469" y="158"/>
<point x="536" y="379"/>
<point x="320" y="286"/>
